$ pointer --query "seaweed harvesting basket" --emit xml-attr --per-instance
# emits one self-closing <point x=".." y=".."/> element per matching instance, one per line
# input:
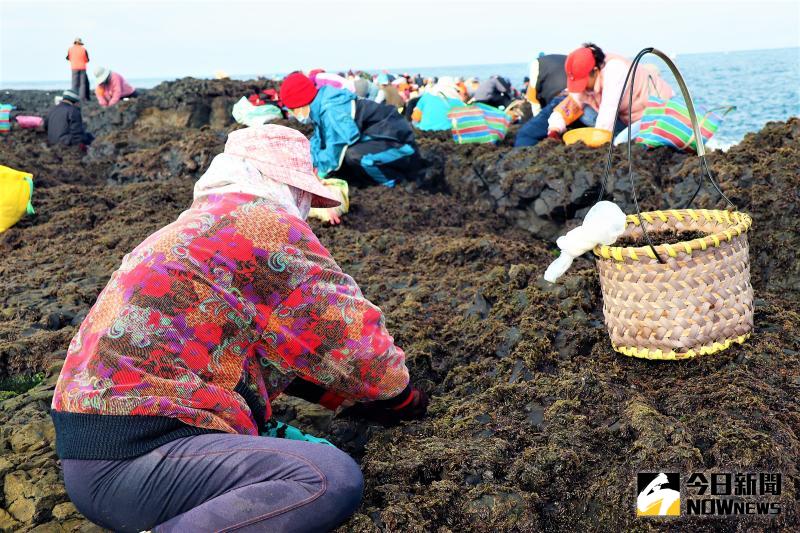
<point x="677" y="301"/>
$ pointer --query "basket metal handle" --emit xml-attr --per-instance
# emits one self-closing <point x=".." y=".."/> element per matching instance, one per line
<point x="701" y="151"/>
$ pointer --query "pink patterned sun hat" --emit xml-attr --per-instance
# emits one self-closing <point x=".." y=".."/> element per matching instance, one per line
<point x="281" y="154"/>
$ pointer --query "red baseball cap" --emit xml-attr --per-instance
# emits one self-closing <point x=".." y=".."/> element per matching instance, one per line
<point x="578" y="66"/>
<point x="297" y="90"/>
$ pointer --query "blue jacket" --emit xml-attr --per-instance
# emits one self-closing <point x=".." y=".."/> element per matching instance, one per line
<point x="434" y="110"/>
<point x="335" y="128"/>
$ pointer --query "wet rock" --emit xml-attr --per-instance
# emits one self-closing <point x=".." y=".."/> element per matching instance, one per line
<point x="57" y="320"/>
<point x="535" y="413"/>
<point x="509" y="341"/>
<point x="32" y="436"/>
<point x="7" y="522"/>
<point x="62" y="511"/>
<point x="31" y="495"/>
<point x="527" y="395"/>
<point x="480" y="307"/>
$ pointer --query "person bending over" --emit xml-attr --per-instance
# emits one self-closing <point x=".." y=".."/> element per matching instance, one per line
<point x="64" y="122"/>
<point x="167" y="385"/>
<point x="357" y="139"/>
<point x="111" y="87"/>
<point x="595" y="81"/>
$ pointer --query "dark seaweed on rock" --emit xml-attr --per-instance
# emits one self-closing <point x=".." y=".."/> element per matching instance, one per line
<point x="535" y="423"/>
<point x="660" y="237"/>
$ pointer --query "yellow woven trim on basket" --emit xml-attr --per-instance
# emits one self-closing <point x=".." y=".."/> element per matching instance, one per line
<point x="646" y="353"/>
<point x="740" y="223"/>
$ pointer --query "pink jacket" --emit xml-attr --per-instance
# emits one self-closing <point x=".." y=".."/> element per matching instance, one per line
<point x="113" y="90"/>
<point x="608" y="87"/>
<point x="334" y="80"/>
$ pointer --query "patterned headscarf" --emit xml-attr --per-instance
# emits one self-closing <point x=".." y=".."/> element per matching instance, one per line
<point x="232" y="174"/>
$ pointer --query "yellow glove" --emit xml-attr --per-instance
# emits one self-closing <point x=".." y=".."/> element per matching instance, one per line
<point x="341" y="190"/>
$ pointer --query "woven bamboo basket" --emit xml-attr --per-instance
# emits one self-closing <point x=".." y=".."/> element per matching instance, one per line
<point x="677" y="301"/>
<point x="697" y="302"/>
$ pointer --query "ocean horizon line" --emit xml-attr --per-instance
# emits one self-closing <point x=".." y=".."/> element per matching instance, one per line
<point x="411" y="70"/>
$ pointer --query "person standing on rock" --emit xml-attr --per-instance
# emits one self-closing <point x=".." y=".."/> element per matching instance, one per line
<point x="64" y="123"/>
<point x="78" y="57"/>
<point x="168" y="384"/>
<point x="595" y="82"/>
<point x="111" y="87"/>
<point x="355" y="138"/>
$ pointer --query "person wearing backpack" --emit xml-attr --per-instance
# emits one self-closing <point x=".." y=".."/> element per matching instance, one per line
<point x="354" y="138"/>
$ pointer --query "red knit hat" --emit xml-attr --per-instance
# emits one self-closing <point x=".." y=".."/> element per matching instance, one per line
<point x="297" y="90"/>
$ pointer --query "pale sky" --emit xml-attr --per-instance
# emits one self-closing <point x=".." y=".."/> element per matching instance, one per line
<point x="169" y="39"/>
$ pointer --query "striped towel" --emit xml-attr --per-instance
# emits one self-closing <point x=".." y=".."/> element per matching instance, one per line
<point x="667" y="123"/>
<point x="479" y="123"/>
<point x="5" y="117"/>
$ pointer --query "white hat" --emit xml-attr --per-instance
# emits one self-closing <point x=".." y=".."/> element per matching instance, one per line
<point x="101" y="74"/>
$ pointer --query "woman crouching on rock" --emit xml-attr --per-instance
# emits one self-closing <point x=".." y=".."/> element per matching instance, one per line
<point x="167" y="385"/>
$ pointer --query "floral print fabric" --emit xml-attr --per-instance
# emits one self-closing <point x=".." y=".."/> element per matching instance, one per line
<point x="235" y="293"/>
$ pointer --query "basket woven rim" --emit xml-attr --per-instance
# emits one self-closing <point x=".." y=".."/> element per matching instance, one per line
<point x="660" y="355"/>
<point x="739" y="223"/>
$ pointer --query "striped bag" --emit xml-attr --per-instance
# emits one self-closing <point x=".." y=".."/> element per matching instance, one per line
<point x="478" y="123"/>
<point x="5" y="117"/>
<point x="667" y="123"/>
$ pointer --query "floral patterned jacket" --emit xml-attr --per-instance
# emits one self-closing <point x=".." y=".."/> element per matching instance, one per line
<point x="206" y="320"/>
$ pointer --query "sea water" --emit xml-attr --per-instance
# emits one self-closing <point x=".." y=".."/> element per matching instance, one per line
<point x="763" y="85"/>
